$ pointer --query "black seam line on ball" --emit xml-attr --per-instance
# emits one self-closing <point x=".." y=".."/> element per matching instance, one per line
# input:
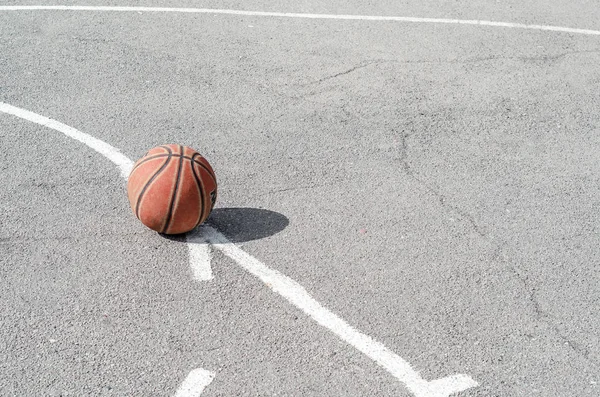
<point x="139" y="200"/>
<point x="174" y="195"/>
<point x="212" y="174"/>
<point x="157" y="156"/>
<point x="201" y="217"/>
<point x="193" y="158"/>
<point x="214" y="178"/>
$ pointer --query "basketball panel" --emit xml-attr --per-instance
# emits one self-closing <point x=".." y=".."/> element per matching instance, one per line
<point x="173" y="148"/>
<point x="155" y="201"/>
<point x="140" y="176"/>
<point x="156" y="150"/>
<point x="209" y="189"/>
<point x="189" y="152"/>
<point x="205" y="164"/>
<point x="188" y="206"/>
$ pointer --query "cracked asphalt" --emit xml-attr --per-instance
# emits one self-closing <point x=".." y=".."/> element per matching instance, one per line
<point x="434" y="185"/>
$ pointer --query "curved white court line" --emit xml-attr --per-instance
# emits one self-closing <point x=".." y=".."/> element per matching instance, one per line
<point x="305" y="16"/>
<point x="110" y="152"/>
<point x="278" y="282"/>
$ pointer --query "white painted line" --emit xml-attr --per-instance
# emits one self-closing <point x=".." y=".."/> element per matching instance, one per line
<point x="297" y="295"/>
<point x="199" y="378"/>
<point x="200" y="257"/>
<point x="381" y="18"/>
<point x="283" y="285"/>
<point x="108" y="151"/>
<point x="195" y="383"/>
<point x="200" y="254"/>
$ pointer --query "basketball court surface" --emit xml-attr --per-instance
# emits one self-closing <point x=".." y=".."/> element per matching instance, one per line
<point x="408" y="199"/>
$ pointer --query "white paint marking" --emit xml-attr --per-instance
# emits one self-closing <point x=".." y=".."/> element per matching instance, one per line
<point x="195" y="383"/>
<point x="200" y="254"/>
<point x="297" y="295"/>
<point x="283" y="285"/>
<point x="199" y="378"/>
<point x="200" y="257"/>
<point x="108" y="151"/>
<point x="304" y="16"/>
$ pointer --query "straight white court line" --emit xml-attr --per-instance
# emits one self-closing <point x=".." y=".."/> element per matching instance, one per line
<point x="195" y="383"/>
<point x="299" y="297"/>
<point x="279" y="283"/>
<point x="303" y="15"/>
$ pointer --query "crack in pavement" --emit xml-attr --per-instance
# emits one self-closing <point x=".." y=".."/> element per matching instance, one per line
<point x="442" y="61"/>
<point x="451" y="61"/>
<point x="530" y="58"/>
<point x="540" y="314"/>
<point x="345" y="72"/>
<point x="552" y="57"/>
<point x="442" y="199"/>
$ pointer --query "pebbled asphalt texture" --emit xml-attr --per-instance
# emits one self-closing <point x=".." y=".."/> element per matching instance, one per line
<point x="435" y="185"/>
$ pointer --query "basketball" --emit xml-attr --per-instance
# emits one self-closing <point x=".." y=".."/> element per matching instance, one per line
<point x="172" y="189"/>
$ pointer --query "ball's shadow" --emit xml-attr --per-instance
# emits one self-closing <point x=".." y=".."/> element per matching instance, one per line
<point x="247" y="224"/>
<point x="241" y="224"/>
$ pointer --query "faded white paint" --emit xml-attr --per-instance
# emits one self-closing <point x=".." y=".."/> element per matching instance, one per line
<point x="281" y="284"/>
<point x="195" y="383"/>
<point x="200" y="257"/>
<point x="299" y="297"/>
<point x="113" y="154"/>
<point x="379" y="18"/>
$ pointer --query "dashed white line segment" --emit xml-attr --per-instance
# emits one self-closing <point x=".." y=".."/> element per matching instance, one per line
<point x="200" y="257"/>
<point x="381" y="18"/>
<point x="195" y="383"/>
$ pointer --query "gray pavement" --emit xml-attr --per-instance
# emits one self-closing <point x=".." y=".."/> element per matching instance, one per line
<point x="434" y="185"/>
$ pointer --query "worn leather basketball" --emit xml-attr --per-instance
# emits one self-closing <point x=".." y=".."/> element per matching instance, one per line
<point x="172" y="189"/>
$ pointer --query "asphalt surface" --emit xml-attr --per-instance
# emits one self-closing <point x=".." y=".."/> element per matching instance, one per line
<point x="434" y="185"/>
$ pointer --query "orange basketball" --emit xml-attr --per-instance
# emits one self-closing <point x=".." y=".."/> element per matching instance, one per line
<point x="172" y="189"/>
